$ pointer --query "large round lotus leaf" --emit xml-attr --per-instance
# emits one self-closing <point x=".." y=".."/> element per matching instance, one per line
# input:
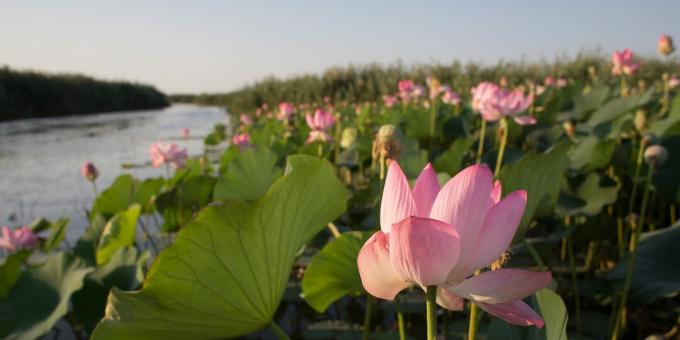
<point x="226" y="272"/>
<point x="656" y="267"/>
<point x="249" y="175"/>
<point x="41" y="297"/>
<point x="540" y="175"/>
<point x="333" y="271"/>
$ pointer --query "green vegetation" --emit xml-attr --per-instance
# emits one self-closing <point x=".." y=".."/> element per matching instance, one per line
<point x="27" y="94"/>
<point x="358" y="83"/>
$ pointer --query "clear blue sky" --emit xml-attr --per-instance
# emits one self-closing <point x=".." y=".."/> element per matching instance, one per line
<point x="196" y="46"/>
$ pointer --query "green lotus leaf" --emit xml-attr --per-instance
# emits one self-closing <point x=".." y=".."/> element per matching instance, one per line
<point x="119" y="232"/>
<point x="249" y="175"/>
<point x="227" y="271"/>
<point x="333" y="271"/>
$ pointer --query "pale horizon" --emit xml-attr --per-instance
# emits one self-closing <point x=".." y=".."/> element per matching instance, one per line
<point x="211" y="46"/>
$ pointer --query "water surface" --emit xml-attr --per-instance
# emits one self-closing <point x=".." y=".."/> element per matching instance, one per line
<point x="40" y="159"/>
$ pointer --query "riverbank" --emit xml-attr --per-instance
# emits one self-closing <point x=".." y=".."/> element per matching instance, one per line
<point x="29" y="94"/>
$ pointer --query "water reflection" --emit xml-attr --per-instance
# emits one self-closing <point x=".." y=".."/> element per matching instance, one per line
<point x="40" y="159"/>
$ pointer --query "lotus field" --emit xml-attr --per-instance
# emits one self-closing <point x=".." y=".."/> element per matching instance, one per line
<point x="539" y="209"/>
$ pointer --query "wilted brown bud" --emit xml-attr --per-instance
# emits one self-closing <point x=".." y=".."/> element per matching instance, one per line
<point x="386" y="145"/>
<point x="349" y="137"/>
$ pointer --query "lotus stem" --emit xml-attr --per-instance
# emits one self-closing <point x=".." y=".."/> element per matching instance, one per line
<point x="400" y="320"/>
<point x="280" y="334"/>
<point x="472" y="325"/>
<point x="480" y="148"/>
<point x="431" y="305"/>
<point x="382" y="166"/>
<point x="635" y="239"/>
<point x="535" y="255"/>
<point x="624" y="86"/>
<point x="638" y="167"/>
<point x="433" y="118"/>
<point x="94" y="189"/>
<point x="370" y="301"/>
<point x="574" y="279"/>
<point x="320" y="150"/>
<point x="501" y="149"/>
<point x="334" y="229"/>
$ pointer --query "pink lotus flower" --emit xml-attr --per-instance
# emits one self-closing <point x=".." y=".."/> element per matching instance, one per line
<point x="185" y="133"/>
<point x="432" y="236"/>
<point x="557" y="83"/>
<point x="665" y="45"/>
<point x="418" y="91"/>
<point x="450" y="97"/>
<point x="406" y="86"/>
<point x="246" y="119"/>
<point x="389" y="101"/>
<point x="494" y="103"/>
<point x="623" y="63"/>
<point x="286" y="110"/>
<point x="320" y="122"/>
<point x="241" y="140"/>
<point x="17" y="239"/>
<point x="673" y="82"/>
<point x="171" y="154"/>
<point x="89" y="171"/>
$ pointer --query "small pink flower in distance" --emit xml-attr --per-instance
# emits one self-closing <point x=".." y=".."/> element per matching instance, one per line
<point x="624" y="63"/>
<point x="673" y="82"/>
<point x="89" y="171"/>
<point x="185" y="133"/>
<point x="286" y="110"/>
<point x="665" y="45"/>
<point x="17" y="239"/>
<point x="246" y="119"/>
<point x="406" y="86"/>
<point x="320" y="122"/>
<point x="162" y="153"/>
<point x="450" y="97"/>
<point x="241" y="140"/>
<point x="439" y="236"/>
<point x="389" y="101"/>
<point x="418" y="91"/>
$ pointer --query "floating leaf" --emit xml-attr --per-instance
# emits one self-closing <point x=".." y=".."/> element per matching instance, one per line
<point x="226" y="272"/>
<point x="41" y="297"/>
<point x="540" y="175"/>
<point x="249" y="175"/>
<point x="656" y="267"/>
<point x="119" y="232"/>
<point x="333" y="272"/>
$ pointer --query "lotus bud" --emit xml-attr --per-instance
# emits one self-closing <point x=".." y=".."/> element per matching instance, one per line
<point x="640" y="120"/>
<point x="349" y="137"/>
<point x="642" y="85"/>
<point x="386" y="144"/>
<point x="89" y="171"/>
<point x="503" y="82"/>
<point x="665" y="45"/>
<point x="649" y="138"/>
<point x="569" y="128"/>
<point x="656" y="155"/>
<point x="592" y="72"/>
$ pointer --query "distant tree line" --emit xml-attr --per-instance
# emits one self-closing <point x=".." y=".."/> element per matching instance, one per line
<point x="358" y="83"/>
<point x="28" y="94"/>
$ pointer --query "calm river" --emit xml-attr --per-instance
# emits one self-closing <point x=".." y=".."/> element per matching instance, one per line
<point x="40" y="159"/>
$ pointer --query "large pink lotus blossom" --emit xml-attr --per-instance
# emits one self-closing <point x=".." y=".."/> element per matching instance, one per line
<point x="624" y="63"/>
<point x="246" y="119"/>
<point x="241" y="140"/>
<point x="320" y="122"/>
<point x="89" y="171"/>
<point x="17" y="239"/>
<point x="389" y="101"/>
<point x="432" y="236"/>
<point x="286" y="110"/>
<point x="494" y="103"/>
<point x="162" y="153"/>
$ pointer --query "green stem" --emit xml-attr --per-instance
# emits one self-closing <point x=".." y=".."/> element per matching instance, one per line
<point x="433" y="118"/>
<point x="480" y="148"/>
<point x="638" y="167"/>
<point x="501" y="148"/>
<point x="280" y="334"/>
<point x="624" y="86"/>
<point x="574" y="282"/>
<point x="320" y="150"/>
<point x="370" y="302"/>
<point x="620" y="313"/>
<point x="94" y="189"/>
<point x="472" y="325"/>
<point x="431" y="305"/>
<point x="400" y="320"/>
